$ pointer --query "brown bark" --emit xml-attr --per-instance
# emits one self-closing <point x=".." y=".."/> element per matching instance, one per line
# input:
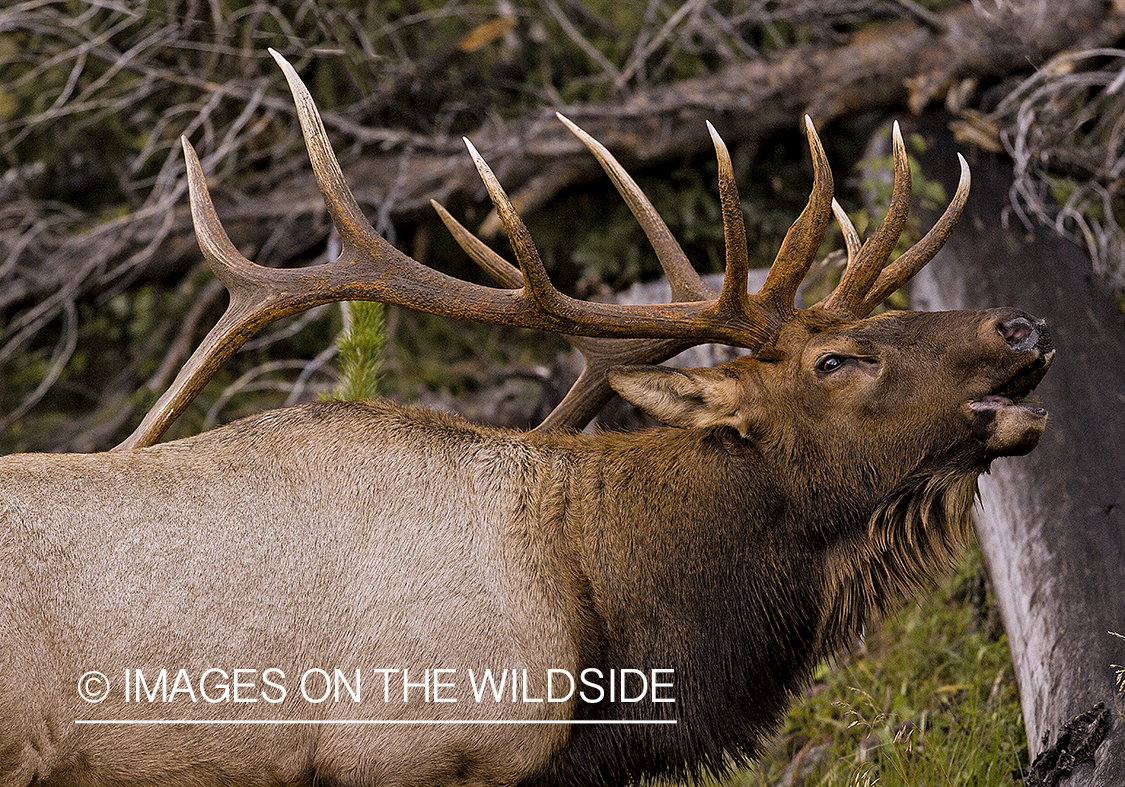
<point x="1053" y="522"/>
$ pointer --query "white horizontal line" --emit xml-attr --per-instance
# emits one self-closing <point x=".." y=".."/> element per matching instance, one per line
<point x="294" y="722"/>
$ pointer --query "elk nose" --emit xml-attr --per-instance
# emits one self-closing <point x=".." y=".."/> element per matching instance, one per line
<point x="1020" y="333"/>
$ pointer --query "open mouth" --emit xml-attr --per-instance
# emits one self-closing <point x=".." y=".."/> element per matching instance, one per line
<point x="1012" y="393"/>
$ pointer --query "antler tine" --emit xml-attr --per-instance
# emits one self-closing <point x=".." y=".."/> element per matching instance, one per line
<point x="864" y="268"/>
<point x="338" y="198"/>
<point x="734" y="296"/>
<point x="536" y="281"/>
<point x="685" y="280"/>
<point x="591" y="390"/>
<point x="225" y="261"/>
<point x="847" y="229"/>
<point x="915" y="258"/>
<point x="502" y="271"/>
<point x="804" y="237"/>
<point x="240" y="321"/>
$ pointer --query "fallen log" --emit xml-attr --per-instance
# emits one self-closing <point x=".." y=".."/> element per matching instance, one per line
<point x="1052" y="524"/>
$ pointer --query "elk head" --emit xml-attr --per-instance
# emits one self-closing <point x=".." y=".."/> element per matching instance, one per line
<point x="803" y="359"/>
<point x="874" y="382"/>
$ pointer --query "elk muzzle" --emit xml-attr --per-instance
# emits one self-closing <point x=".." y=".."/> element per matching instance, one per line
<point x="1002" y="420"/>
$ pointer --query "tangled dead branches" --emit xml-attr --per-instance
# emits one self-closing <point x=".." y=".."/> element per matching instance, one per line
<point x="1064" y="127"/>
<point x="94" y="95"/>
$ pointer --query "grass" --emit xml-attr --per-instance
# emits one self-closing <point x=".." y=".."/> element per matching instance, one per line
<point x="929" y="699"/>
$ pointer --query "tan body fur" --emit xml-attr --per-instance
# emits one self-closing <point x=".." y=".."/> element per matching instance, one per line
<point x="784" y="506"/>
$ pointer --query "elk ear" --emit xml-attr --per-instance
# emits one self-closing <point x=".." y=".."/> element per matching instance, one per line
<point x="680" y="397"/>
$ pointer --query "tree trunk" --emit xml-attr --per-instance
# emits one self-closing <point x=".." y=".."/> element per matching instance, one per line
<point x="1053" y="523"/>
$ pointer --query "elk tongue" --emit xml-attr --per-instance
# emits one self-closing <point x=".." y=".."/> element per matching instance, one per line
<point x="992" y="401"/>
<point x="998" y="401"/>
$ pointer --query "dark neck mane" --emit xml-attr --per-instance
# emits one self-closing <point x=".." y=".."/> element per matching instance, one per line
<point x="912" y="536"/>
<point x="739" y="592"/>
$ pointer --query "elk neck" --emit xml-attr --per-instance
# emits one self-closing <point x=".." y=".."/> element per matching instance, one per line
<point x="700" y="552"/>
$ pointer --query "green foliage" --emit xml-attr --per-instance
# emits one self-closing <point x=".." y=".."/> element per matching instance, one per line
<point x="931" y="700"/>
<point x="361" y="351"/>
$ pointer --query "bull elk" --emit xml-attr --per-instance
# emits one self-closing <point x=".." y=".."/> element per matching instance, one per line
<point x="362" y="593"/>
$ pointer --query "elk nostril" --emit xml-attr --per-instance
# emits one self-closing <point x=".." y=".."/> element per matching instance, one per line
<point x="1019" y="333"/>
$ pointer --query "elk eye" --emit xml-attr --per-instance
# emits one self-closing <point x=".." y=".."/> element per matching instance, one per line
<point x="830" y="363"/>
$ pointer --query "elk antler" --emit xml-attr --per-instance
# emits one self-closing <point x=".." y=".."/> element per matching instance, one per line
<point x="369" y="268"/>
<point x="867" y="279"/>
<point x="591" y="391"/>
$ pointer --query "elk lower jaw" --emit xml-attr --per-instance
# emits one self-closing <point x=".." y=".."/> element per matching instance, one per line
<point x="1001" y="420"/>
<point x="1007" y="426"/>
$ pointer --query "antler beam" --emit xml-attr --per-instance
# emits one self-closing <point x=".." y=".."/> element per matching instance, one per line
<point x="369" y="268"/>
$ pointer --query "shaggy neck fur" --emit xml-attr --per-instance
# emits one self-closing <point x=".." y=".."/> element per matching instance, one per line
<point x="741" y="595"/>
<point x="912" y="536"/>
